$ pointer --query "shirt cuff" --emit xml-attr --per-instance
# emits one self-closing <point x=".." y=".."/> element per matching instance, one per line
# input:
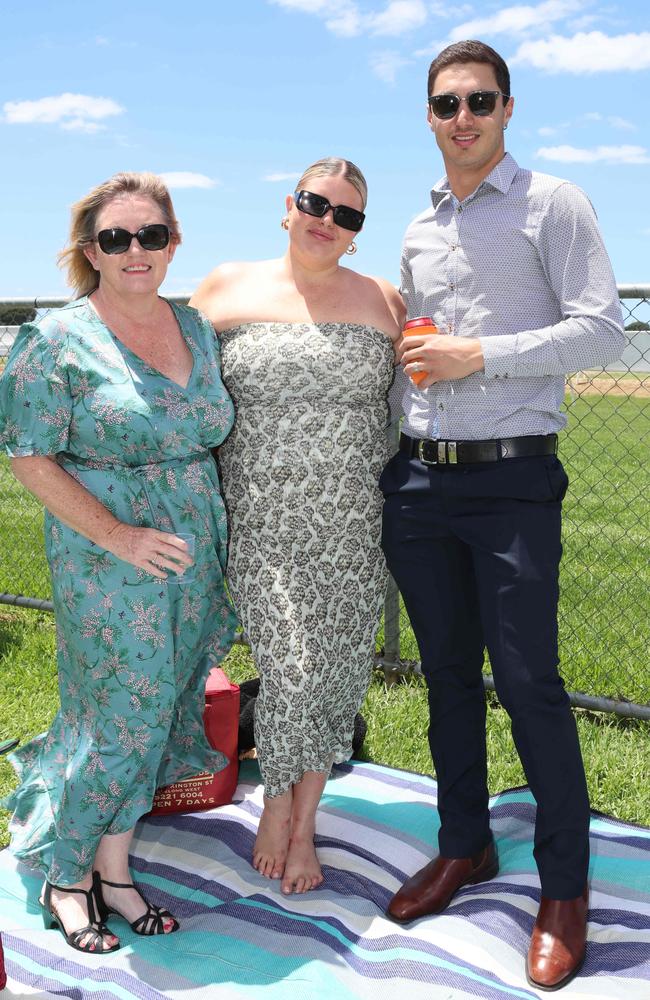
<point x="499" y="356"/>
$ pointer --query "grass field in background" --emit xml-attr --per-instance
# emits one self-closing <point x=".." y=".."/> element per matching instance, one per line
<point x="603" y="623"/>
<point x="605" y="578"/>
<point x="605" y="575"/>
<point x="615" y="751"/>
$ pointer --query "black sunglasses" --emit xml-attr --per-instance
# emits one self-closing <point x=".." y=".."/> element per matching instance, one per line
<point x="480" y="103"/>
<point x="315" y="204"/>
<point x="154" y="237"/>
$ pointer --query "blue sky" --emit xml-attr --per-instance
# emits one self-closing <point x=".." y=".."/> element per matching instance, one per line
<point x="232" y="100"/>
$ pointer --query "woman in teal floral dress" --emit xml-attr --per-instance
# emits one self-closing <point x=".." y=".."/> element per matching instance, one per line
<point x="108" y="409"/>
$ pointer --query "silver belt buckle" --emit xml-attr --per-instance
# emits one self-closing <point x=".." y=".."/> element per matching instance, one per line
<point x="452" y="453"/>
<point x="425" y="461"/>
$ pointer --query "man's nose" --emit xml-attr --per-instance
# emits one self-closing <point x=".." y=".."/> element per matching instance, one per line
<point x="464" y="111"/>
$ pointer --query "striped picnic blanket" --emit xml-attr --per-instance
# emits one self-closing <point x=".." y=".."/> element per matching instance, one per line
<point x="240" y="938"/>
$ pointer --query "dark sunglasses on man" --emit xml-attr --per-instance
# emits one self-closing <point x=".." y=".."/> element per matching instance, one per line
<point x="153" y="237"/>
<point x="480" y="103"/>
<point x="315" y="204"/>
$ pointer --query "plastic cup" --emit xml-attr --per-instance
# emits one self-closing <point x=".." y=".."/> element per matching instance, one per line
<point x="187" y="575"/>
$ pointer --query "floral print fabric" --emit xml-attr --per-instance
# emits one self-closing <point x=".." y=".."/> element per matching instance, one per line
<point x="305" y="568"/>
<point x="133" y="651"/>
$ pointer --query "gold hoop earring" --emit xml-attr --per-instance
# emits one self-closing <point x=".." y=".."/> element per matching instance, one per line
<point x="352" y="248"/>
<point x="284" y="223"/>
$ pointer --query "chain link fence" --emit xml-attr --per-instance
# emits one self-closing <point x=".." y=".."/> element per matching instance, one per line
<point x="604" y="606"/>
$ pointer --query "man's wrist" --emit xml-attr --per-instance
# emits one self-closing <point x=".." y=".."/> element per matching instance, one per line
<point x="476" y="358"/>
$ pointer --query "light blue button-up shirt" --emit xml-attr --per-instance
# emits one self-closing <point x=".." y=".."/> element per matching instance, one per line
<point x="520" y="264"/>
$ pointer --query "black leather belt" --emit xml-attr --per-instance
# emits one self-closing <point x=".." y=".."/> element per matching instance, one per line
<point x="434" y="452"/>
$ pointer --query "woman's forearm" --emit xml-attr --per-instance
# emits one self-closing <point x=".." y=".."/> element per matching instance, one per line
<point x="148" y="548"/>
<point x="64" y="497"/>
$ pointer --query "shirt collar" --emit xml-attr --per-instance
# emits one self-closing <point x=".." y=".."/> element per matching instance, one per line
<point x="500" y="178"/>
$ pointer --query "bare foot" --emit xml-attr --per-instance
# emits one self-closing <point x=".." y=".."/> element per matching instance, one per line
<point x="302" y="871"/>
<point x="272" y="841"/>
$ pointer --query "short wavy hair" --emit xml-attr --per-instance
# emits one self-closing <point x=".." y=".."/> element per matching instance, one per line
<point x="82" y="276"/>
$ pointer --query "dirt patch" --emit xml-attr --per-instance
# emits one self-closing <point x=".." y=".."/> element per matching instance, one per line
<point x="582" y="385"/>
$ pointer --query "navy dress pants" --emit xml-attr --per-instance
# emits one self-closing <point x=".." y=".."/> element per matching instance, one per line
<point x="475" y="551"/>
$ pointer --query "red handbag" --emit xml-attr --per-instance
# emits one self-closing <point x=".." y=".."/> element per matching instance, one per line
<point x="221" y="721"/>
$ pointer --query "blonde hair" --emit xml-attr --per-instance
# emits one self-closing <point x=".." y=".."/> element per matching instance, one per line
<point x="82" y="276"/>
<point x="333" y="166"/>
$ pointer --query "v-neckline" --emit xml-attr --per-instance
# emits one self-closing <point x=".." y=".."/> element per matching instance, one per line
<point x="124" y="347"/>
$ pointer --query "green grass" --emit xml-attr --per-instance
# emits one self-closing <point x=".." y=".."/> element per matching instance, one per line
<point x="23" y="567"/>
<point x="615" y="751"/>
<point x="604" y="618"/>
<point x="605" y="577"/>
<point x="605" y="574"/>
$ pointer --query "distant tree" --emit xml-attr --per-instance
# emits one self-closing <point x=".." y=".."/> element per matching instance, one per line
<point x="14" y="316"/>
<point x="638" y="325"/>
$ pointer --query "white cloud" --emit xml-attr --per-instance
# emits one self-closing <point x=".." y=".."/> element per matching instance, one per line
<point x="516" y="19"/>
<point x="621" y="123"/>
<point x="186" y="179"/>
<point x="346" y="19"/>
<point x="584" y="21"/>
<point x="291" y="175"/>
<point x="81" y="125"/>
<point x="74" y="112"/>
<point x="439" y="8"/>
<point x="342" y="17"/>
<point x="386" y="64"/>
<point x="601" y="154"/>
<point x="587" y="119"/>
<point x="586" y="52"/>
<point x="432" y="49"/>
<point x="399" y="16"/>
<point x="613" y="120"/>
<point x="307" y="6"/>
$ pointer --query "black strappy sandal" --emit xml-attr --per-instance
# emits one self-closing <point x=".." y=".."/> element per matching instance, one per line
<point x="94" y="931"/>
<point x="151" y="922"/>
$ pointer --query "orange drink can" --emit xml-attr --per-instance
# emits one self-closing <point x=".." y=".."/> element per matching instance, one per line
<point x="415" y="327"/>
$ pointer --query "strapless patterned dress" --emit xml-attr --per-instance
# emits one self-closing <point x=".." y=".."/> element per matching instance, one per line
<point x="305" y="566"/>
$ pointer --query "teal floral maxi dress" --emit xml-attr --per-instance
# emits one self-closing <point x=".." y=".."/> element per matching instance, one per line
<point x="133" y="651"/>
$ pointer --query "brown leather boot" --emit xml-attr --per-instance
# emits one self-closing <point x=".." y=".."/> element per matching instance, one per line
<point x="559" y="941"/>
<point x="431" y="889"/>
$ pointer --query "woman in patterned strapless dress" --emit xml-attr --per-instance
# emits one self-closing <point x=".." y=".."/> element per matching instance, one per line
<point x="307" y="349"/>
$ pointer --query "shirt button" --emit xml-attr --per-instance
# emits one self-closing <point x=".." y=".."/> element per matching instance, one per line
<point x="453" y="247"/>
<point x="451" y="287"/>
<point x="460" y="208"/>
<point x="441" y="406"/>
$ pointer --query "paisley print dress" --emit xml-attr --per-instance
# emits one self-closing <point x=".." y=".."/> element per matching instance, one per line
<point x="306" y="570"/>
<point x="133" y="651"/>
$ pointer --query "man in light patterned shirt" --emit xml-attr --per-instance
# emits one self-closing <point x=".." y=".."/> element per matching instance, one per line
<point x="511" y="267"/>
